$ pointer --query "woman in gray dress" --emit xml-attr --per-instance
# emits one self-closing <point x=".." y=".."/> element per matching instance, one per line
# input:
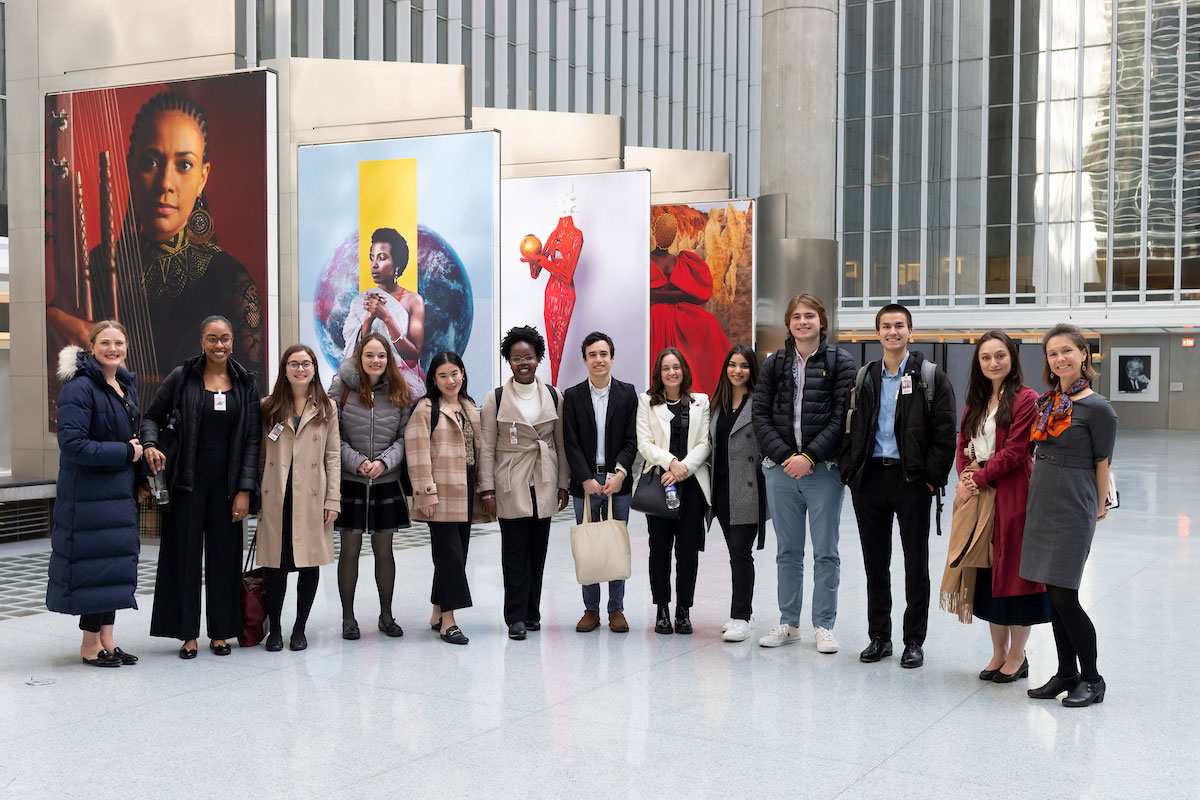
<point x="1075" y="431"/>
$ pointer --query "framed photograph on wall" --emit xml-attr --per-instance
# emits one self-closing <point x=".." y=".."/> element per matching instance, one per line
<point x="1133" y="374"/>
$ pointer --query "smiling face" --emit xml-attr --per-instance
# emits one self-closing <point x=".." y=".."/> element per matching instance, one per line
<point x="523" y="361"/>
<point x="109" y="348"/>
<point x="374" y="359"/>
<point x="216" y="341"/>
<point x="738" y="369"/>
<point x="599" y="361"/>
<point x="167" y="173"/>
<point x="449" y="379"/>
<point x="1065" y="360"/>
<point x="671" y="372"/>
<point x="383" y="269"/>
<point x="300" y="368"/>
<point x="804" y="325"/>
<point x="994" y="361"/>
<point x="894" y="332"/>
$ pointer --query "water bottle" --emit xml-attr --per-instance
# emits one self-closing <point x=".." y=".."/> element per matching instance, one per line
<point x="158" y="488"/>
<point x="672" y="497"/>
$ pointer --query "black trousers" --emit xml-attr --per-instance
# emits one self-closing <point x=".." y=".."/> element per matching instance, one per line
<point x="740" y="541"/>
<point x="449" y="542"/>
<point x="686" y="536"/>
<point x="523" y="544"/>
<point x="93" y="622"/>
<point x="882" y="495"/>
<point x="199" y="537"/>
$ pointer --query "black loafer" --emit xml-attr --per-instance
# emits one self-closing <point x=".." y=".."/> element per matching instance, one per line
<point x="683" y="621"/>
<point x="454" y="636"/>
<point x="913" y="656"/>
<point x="103" y="659"/>
<point x="516" y="630"/>
<point x="1052" y="688"/>
<point x="127" y="659"/>
<point x="390" y="627"/>
<point x="662" y="623"/>
<point x="533" y="625"/>
<point x="298" y="642"/>
<point x="186" y="654"/>
<point x="274" y="641"/>
<point x="1004" y="677"/>
<point x="350" y="630"/>
<point x="436" y="626"/>
<point x="1085" y="693"/>
<point x="876" y="650"/>
<point x="220" y="649"/>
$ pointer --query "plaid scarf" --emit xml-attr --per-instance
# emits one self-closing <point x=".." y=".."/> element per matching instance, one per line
<point x="1054" y="411"/>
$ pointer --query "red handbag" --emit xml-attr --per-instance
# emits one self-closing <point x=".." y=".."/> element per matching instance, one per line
<point x="254" y="601"/>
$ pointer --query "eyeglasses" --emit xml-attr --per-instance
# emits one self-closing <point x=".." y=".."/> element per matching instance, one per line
<point x="300" y="365"/>
<point x="522" y="360"/>
<point x="213" y="340"/>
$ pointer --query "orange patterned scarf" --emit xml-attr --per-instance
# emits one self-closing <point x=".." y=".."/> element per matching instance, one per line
<point x="1054" y="411"/>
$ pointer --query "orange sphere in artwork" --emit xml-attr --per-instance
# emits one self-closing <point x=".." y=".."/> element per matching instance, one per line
<point x="531" y="245"/>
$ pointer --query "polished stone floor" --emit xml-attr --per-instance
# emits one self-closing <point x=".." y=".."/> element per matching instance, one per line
<point x="632" y="715"/>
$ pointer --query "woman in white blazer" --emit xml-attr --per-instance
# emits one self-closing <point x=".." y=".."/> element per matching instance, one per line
<point x="672" y="433"/>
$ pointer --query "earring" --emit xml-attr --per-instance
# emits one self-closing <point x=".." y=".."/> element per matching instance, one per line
<point x="200" y="223"/>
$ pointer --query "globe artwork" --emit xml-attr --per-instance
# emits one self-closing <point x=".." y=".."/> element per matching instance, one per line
<point x="441" y="281"/>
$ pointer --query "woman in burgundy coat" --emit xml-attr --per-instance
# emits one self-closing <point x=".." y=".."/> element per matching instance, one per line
<point x="997" y="418"/>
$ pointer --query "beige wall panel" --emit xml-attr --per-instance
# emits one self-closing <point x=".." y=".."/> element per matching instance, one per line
<point x="676" y="171"/>
<point x="29" y="412"/>
<point x="27" y="463"/>
<point x="26" y="209"/>
<point x="20" y="32"/>
<point x="27" y="360"/>
<point x="154" y="72"/>
<point x="535" y="137"/>
<point x="558" y="167"/>
<point x="26" y="134"/>
<point x="364" y="132"/>
<point x="701" y="196"/>
<point x="26" y="279"/>
<point x="1184" y="367"/>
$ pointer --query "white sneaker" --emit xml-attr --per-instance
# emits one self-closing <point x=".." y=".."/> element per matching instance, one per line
<point x="825" y="641"/>
<point x="780" y="635"/>
<point x="738" y="630"/>
<point x="728" y="624"/>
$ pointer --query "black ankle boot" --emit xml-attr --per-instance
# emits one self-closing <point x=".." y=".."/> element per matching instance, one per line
<point x="1054" y="687"/>
<point x="663" y="623"/>
<point x="683" y="622"/>
<point x="1085" y="693"/>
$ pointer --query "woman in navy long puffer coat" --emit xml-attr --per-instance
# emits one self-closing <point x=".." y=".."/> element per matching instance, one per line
<point x="93" y="561"/>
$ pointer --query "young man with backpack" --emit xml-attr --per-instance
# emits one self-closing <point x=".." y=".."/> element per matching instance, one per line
<point x="896" y="455"/>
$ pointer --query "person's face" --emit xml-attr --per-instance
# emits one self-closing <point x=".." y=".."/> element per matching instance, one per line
<point x="805" y="324"/>
<point x="894" y="332"/>
<point x="994" y="360"/>
<point x="300" y="368"/>
<point x="217" y="342"/>
<point x="523" y="361"/>
<point x="109" y="347"/>
<point x="448" y="378"/>
<point x="671" y="372"/>
<point x="167" y="173"/>
<point x="598" y="360"/>
<point x="1065" y="359"/>
<point x="737" y="369"/>
<point x="1133" y="369"/>
<point x="383" y="270"/>
<point x="374" y="358"/>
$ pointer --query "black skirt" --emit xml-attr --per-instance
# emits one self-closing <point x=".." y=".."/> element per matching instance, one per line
<point x="385" y="512"/>
<point x="1021" y="609"/>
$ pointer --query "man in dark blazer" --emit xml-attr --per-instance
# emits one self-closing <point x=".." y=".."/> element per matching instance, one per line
<point x="599" y="432"/>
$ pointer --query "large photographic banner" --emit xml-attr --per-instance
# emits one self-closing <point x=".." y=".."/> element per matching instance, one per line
<point x="702" y="283"/>
<point x="572" y="261"/>
<point x="157" y="201"/>
<point x="398" y="236"/>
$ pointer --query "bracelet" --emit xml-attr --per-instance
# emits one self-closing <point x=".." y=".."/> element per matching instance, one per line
<point x="398" y="339"/>
<point x="810" y="461"/>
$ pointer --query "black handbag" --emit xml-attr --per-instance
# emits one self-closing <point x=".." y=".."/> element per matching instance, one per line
<point x="650" y="496"/>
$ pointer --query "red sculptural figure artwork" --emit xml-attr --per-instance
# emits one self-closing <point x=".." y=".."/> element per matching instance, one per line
<point x="558" y="257"/>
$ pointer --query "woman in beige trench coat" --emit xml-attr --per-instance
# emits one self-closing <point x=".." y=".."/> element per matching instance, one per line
<point x="301" y="463"/>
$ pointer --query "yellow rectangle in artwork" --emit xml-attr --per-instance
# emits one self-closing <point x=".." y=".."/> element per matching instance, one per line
<point x="387" y="198"/>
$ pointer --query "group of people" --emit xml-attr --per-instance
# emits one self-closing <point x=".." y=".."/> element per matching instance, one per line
<point x="782" y="441"/>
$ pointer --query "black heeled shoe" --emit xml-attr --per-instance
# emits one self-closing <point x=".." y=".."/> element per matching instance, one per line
<point x="683" y="621"/>
<point x="390" y="627"/>
<point x="274" y="641"/>
<point x="662" y="623"/>
<point x="988" y="674"/>
<point x="1052" y="688"/>
<point x="1085" y="693"/>
<point x="1004" y="677"/>
<point x="127" y="659"/>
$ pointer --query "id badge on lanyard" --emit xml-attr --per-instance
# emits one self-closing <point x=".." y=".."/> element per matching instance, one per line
<point x="219" y="401"/>
<point x="512" y="433"/>
<point x="275" y="432"/>
<point x="906" y="384"/>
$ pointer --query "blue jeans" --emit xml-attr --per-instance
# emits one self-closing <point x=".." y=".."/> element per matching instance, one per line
<point x="616" y="589"/>
<point x="820" y="495"/>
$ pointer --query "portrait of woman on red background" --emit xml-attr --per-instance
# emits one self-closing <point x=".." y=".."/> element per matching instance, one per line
<point x="157" y="216"/>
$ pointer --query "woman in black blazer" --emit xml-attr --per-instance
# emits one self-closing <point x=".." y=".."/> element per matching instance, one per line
<point x="739" y="496"/>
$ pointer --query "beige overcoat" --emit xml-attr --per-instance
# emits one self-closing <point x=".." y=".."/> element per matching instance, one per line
<point x="437" y="464"/>
<point x="507" y="468"/>
<point x="313" y="453"/>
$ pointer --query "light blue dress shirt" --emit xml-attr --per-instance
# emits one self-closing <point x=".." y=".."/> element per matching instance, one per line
<point x="885" y="430"/>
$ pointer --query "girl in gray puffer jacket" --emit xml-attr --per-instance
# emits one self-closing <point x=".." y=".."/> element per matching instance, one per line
<point x="374" y="404"/>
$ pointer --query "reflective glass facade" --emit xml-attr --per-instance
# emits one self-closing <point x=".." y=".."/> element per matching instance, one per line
<point x="1013" y="152"/>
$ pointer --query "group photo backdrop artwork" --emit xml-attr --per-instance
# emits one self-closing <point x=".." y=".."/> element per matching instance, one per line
<point x="702" y="283"/>
<point x="430" y="204"/>
<point x="161" y="226"/>
<point x="572" y="261"/>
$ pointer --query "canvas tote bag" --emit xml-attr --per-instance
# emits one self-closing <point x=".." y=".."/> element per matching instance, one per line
<point x="600" y="548"/>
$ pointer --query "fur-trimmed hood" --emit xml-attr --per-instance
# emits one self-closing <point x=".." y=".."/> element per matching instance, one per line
<point x="74" y="361"/>
<point x="348" y="373"/>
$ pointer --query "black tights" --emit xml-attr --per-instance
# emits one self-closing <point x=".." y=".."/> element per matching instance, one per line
<point x="275" y="583"/>
<point x="1074" y="634"/>
<point x="385" y="572"/>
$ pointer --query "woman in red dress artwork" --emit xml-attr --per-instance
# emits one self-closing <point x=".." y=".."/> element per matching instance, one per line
<point x="679" y="286"/>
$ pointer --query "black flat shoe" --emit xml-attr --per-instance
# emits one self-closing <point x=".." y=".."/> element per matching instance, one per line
<point x="533" y="626"/>
<point x="662" y="623"/>
<point x="390" y="627"/>
<point x="298" y="642"/>
<point x="274" y="641"/>
<point x="876" y="650"/>
<point x="127" y="659"/>
<point x="437" y="626"/>
<point x="516" y="630"/>
<point x="103" y="659"/>
<point x="350" y="630"/>
<point x="454" y="636"/>
<point x="1052" y="688"/>
<point x="683" y="621"/>
<point x="1004" y="677"/>
<point x="186" y="654"/>
<point x="913" y="656"/>
<point x="220" y="649"/>
<point x="1085" y="693"/>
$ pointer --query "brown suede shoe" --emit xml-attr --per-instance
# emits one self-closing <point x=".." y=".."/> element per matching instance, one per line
<point x="588" y="622"/>
<point x="617" y="622"/>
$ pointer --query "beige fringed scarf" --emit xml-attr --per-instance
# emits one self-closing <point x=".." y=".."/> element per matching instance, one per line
<point x="970" y="548"/>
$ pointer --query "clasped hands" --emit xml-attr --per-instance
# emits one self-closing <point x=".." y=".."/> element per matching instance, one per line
<point x="611" y="486"/>
<point x="371" y="469"/>
<point x="676" y="473"/>
<point x="966" y="488"/>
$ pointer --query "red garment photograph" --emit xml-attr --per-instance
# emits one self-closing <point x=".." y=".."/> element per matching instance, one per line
<point x="678" y="291"/>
